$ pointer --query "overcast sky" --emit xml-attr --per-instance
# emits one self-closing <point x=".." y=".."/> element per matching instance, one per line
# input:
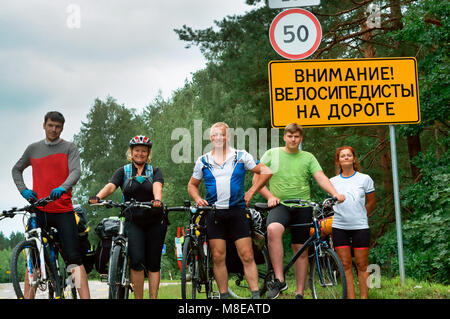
<point x="51" y="60"/>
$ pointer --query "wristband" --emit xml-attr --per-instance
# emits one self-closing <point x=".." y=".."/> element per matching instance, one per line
<point x="96" y="198"/>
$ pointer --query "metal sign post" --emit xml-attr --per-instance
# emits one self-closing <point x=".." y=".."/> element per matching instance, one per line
<point x="398" y="216"/>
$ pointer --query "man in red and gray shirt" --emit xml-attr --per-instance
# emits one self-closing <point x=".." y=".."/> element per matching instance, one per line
<point x="56" y="169"/>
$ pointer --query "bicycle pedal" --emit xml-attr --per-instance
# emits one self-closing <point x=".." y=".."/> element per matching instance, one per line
<point x="130" y="286"/>
<point x="103" y="278"/>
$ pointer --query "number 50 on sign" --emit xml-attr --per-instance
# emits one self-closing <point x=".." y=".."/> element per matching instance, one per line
<point x="295" y="33"/>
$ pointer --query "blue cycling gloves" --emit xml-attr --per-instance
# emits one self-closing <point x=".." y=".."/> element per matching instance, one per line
<point x="57" y="192"/>
<point x="29" y="194"/>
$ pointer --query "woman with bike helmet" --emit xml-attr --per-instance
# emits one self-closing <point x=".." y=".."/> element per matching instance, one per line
<point x="350" y="224"/>
<point x="146" y="228"/>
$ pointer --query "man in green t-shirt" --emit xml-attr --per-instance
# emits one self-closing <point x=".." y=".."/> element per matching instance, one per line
<point x="291" y="169"/>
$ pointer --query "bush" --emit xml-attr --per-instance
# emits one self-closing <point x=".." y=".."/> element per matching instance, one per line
<point x="425" y="235"/>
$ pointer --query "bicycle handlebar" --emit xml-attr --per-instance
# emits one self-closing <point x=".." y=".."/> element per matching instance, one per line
<point x="38" y="203"/>
<point x="327" y="202"/>
<point x="128" y="204"/>
<point x="192" y="209"/>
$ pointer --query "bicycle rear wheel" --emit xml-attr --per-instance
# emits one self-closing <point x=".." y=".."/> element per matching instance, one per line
<point x="116" y="268"/>
<point x="327" y="276"/>
<point x="238" y="288"/>
<point x="26" y="257"/>
<point x="189" y="270"/>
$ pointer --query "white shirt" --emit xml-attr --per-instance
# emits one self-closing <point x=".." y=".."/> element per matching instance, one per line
<point x="352" y="213"/>
<point x="224" y="183"/>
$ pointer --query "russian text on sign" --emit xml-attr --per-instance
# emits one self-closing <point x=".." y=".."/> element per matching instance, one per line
<point x="344" y="92"/>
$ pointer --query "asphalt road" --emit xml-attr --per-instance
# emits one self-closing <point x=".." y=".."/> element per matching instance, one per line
<point x="99" y="290"/>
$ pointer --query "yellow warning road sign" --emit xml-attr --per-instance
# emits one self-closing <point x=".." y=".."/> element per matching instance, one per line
<point x="319" y="93"/>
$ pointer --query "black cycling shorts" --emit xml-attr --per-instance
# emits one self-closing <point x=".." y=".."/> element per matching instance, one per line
<point x="145" y="243"/>
<point x="66" y="226"/>
<point x="286" y="216"/>
<point x="355" y="238"/>
<point x="228" y="224"/>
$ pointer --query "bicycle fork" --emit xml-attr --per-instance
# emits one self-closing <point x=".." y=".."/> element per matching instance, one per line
<point x="125" y="281"/>
<point x="31" y="278"/>
<point x="326" y="262"/>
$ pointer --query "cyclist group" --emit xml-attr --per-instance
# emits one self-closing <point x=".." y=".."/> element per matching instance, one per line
<point x="56" y="169"/>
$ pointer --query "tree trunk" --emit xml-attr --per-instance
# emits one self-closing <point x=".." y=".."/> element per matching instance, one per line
<point x="414" y="146"/>
<point x="369" y="52"/>
<point x="385" y="160"/>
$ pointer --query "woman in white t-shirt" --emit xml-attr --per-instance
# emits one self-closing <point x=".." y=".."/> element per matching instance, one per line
<point x="350" y="223"/>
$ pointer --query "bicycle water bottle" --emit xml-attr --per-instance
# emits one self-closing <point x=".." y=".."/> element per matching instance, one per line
<point x="52" y="252"/>
<point x="33" y="222"/>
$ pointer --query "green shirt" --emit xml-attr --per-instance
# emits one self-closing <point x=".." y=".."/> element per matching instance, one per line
<point x="291" y="173"/>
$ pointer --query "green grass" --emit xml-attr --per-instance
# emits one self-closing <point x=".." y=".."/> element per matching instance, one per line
<point x="390" y="288"/>
<point x="411" y="289"/>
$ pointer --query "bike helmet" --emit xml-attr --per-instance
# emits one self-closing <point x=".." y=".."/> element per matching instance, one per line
<point x="141" y="140"/>
<point x="256" y="219"/>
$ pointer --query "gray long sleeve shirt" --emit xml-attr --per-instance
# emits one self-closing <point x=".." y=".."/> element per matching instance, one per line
<point x="54" y="165"/>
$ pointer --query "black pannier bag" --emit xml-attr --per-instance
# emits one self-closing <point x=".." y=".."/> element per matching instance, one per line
<point x="87" y="251"/>
<point x="108" y="227"/>
<point x="232" y="260"/>
<point x="106" y="230"/>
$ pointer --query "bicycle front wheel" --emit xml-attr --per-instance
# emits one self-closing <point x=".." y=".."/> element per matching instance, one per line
<point x="26" y="274"/>
<point x="116" y="270"/>
<point x="327" y="276"/>
<point x="189" y="270"/>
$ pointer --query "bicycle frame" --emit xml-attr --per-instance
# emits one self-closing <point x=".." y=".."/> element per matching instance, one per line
<point x="314" y="240"/>
<point x="35" y="234"/>
<point x="198" y="242"/>
<point x="121" y="240"/>
<point x="200" y="247"/>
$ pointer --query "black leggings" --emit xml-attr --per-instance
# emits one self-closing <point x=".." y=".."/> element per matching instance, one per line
<point x="67" y="229"/>
<point x="145" y="243"/>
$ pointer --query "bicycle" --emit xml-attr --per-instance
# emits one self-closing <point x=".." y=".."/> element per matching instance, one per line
<point x="196" y="265"/>
<point x="326" y="273"/>
<point x="41" y="249"/>
<point x="118" y="277"/>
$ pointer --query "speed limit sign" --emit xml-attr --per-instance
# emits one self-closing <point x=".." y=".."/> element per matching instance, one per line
<point x="295" y="34"/>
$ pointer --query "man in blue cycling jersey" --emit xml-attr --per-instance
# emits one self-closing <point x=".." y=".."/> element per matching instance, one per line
<point x="223" y="171"/>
